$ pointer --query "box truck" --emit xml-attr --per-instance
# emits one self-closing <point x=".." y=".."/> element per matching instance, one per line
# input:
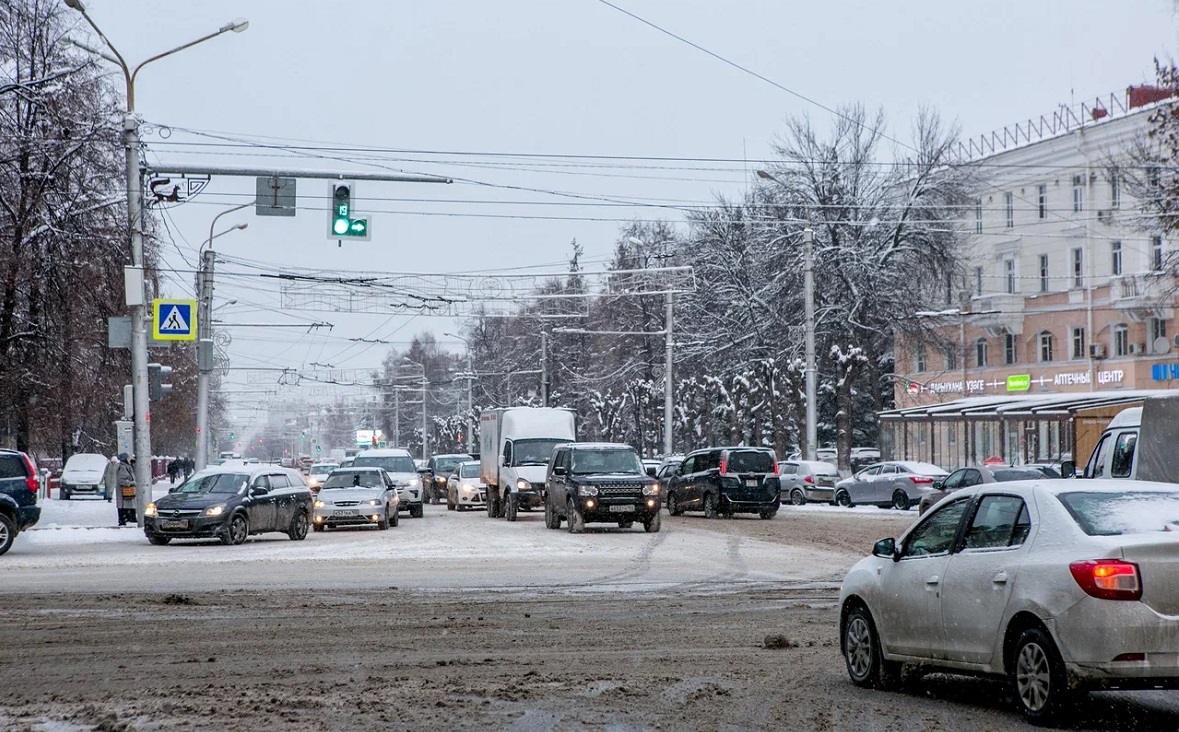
<point x="515" y="446"/>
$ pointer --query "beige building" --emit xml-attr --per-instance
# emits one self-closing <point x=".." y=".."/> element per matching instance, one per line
<point x="1069" y="288"/>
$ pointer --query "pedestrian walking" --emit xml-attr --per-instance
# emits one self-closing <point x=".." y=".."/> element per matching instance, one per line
<point x="125" y="498"/>
<point x="110" y="479"/>
<point x="186" y="465"/>
<point x="173" y="469"/>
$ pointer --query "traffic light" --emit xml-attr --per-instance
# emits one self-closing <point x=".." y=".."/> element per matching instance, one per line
<point x="342" y="223"/>
<point x="231" y="437"/>
<point x="156" y="388"/>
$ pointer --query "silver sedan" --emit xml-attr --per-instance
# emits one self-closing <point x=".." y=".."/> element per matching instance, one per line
<point x="1056" y="586"/>
<point x="356" y="497"/>
<point x="894" y="484"/>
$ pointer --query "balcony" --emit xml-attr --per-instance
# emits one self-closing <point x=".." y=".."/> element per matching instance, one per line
<point x="997" y="313"/>
<point x="1143" y="295"/>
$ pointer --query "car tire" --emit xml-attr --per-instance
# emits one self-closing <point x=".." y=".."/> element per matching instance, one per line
<point x="317" y="527"/>
<point x="710" y="511"/>
<point x="552" y="520"/>
<point x="766" y="513"/>
<point x="653" y="523"/>
<point x="576" y="520"/>
<point x="843" y="498"/>
<point x="383" y="523"/>
<point x="673" y="505"/>
<point x="1038" y="678"/>
<point x="797" y="498"/>
<point x="416" y="511"/>
<point x="626" y="524"/>
<point x="297" y="531"/>
<point x="900" y="501"/>
<point x="7" y="533"/>
<point x="237" y="531"/>
<point x="157" y="540"/>
<point x="866" y="666"/>
<point x="512" y="505"/>
<point x="450" y="506"/>
<point x="395" y="518"/>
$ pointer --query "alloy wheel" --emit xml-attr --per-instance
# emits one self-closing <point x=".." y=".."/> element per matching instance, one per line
<point x="858" y="648"/>
<point x="1033" y="679"/>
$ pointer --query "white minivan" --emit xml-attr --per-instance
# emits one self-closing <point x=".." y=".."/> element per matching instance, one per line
<point x="82" y="476"/>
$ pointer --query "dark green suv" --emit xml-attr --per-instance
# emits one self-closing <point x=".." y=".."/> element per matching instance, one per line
<point x="18" y="496"/>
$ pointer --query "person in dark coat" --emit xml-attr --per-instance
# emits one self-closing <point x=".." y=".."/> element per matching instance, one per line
<point x="186" y="466"/>
<point x="173" y="470"/>
<point x="125" y="496"/>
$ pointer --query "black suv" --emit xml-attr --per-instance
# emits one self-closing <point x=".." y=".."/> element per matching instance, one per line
<point x="231" y="502"/>
<point x="599" y="482"/>
<point x="18" y="496"/>
<point x="722" y="481"/>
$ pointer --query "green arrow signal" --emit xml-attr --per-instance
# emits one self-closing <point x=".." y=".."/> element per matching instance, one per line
<point x="359" y="226"/>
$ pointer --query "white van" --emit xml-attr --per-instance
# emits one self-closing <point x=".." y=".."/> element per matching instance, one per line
<point x="1138" y="444"/>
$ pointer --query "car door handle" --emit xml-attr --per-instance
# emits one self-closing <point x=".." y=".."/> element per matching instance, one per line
<point x="1000" y="579"/>
<point x="933" y="580"/>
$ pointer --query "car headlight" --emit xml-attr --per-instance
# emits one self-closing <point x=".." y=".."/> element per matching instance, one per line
<point x="587" y="490"/>
<point x="414" y="482"/>
<point x="374" y="502"/>
<point x="150" y="510"/>
<point x="468" y="488"/>
<point x="318" y="504"/>
<point x="651" y="489"/>
<point x="523" y="485"/>
<point x="214" y="510"/>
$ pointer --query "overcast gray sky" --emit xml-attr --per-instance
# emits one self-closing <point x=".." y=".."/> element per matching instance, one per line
<point x="569" y="77"/>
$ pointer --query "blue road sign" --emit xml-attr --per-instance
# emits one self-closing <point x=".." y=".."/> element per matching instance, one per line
<point x="174" y="320"/>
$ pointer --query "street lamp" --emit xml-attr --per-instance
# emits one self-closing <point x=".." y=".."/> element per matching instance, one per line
<point x="808" y="286"/>
<point x="667" y="362"/>
<point x="425" y="425"/>
<point x="470" y="376"/>
<point x="135" y="295"/>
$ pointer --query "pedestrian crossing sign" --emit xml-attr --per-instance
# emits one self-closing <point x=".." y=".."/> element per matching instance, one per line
<point x="174" y="320"/>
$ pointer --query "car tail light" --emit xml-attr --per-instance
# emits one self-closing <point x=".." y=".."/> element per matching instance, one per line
<point x="1108" y="579"/>
<point x="921" y="479"/>
<point x="724" y="468"/>
<point x="809" y="479"/>
<point x="31" y="481"/>
<point x="777" y="470"/>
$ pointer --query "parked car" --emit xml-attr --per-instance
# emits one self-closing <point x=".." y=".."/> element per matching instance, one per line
<point x="666" y="471"/>
<point x="437" y="473"/>
<point x="18" y="496"/>
<point x="651" y="467"/>
<point x="801" y="481"/>
<point x="318" y="473"/>
<point x="895" y="484"/>
<point x="82" y="476"/>
<point x="589" y="482"/>
<point x="966" y="477"/>
<point x="230" y="503"/>
<point x="1048" y="470"/>
<point x="722" y="481"/>
<point x="1057" y="586"/>
<point x="401" y="468"/>
<point x="465" y="487"/>
<point x="356" y="497"/>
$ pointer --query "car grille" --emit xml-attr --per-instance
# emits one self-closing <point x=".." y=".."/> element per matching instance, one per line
<point x="346" y="503"/>
<point x="178" y="513"/>
<point x="619" y="490"/>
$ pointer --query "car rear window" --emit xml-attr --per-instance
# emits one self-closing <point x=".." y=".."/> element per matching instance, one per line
<point x="750" y="461"/>
<point x="1008" y="475"/>
<point x="1123" y="512"/>
<point x="11" y="466"/>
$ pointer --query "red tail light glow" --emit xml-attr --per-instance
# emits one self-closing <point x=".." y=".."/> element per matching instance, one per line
<point x="809" y="479"/>
<point x="921" y="479"/>
<point x="1108" y="579"/>
<point x="777" y="470"/>
<point x="31" y="481"/>
<point x="724" y="468"/>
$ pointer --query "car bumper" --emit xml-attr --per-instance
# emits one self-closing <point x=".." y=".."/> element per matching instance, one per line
<point x="473" y="498"/>
<point x="82" y="490"/>
<point x="745" y="506"/>
<point x="819" y="494"/>
<point x="195" y="528"/>
<point x="531" y="498"/>
<point x="29" y="516"/>
<point x="408" y="497"/>
<point x="364" y="516"/>
<point x="613" y="511"/>
<point x="1093" y="633"/>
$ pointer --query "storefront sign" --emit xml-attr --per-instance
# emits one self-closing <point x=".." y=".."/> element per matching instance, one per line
<point x="1019" y="382"/>
<point x="1024" y="382"/>
<point x="1164" y="371"/>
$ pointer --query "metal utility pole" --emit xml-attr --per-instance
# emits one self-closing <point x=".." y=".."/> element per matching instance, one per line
<point x="133" y="277"/>
<point x="667" y="410"/>
<point x="425" y="424"/>
<point x="470" y="402"/>
<point x="544" y="369"/>
<point x="396" y="418"/>
<point x="808" y="284"/>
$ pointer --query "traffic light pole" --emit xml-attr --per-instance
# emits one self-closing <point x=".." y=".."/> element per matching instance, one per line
<point x="204" y="354"/>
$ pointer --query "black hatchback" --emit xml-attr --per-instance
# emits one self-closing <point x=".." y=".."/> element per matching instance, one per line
<point x="230" y="503"/>
<point x="722" y="481"/>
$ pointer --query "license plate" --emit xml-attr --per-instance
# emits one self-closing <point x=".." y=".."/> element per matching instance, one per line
<point x="751" y="482"/>
<point x="182" y="524"/>
<point x="622" y="509"/>
<point x="352" y="512"/>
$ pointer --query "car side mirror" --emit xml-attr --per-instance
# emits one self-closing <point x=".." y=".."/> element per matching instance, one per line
<point x="259" y="491"/>
<point x="939" y="485"/>
<point x="651" y="472"/>
<point x="886" y="548"/>
<point x="507" y="459"/>
<point x="1068" y="469"/>
<point x="560" y="470"/>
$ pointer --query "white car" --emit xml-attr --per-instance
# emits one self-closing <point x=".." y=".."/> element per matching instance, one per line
<point x="319" y="473"/>
<point x="401" y="468"/>
<point x="1058" y="586"/>
<point x="356" y="497"/>
<point x="83" y="475"/>
<point x="465" y="488"/>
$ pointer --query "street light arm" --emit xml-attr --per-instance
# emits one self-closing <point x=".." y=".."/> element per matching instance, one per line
<point x="209" y="242"/>
<point x="223" y="29"/>
<point x="128" y="77"/>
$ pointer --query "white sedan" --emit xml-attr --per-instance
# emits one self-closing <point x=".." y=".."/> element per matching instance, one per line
<point x="1058" y="586"/>
<point x="465" y="487"/>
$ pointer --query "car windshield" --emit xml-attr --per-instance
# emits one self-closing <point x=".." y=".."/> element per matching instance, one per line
<point x="353" y="479"/>
<point x="534" y="452"/>
<point x="471" y="470"/>
<point x="750" y="461"/>
<point x="391" y="463"/>
<point x="1006" y="475"/>
<point x="447" y="465"/>
<point x="215" y="483"/>
<point x="621" y="460"/>
<point x="323" y="468"/>
<point x="1123" y="512"/>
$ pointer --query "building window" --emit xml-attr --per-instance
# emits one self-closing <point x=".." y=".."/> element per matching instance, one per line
<point x="1010" y="349"/>
<point x="1043" y="273"/>
<point x="1158" y="329"/>
<point x="1042" y="200"/>
<point x="921" y="359"/>
<point x="980" y="352"/>
<point x="1045" y="347"/>
<point x="1121" y="340"/>
<point x="978" y="215"/>
<point x="1009" y="205"/>
<point x="978" y="277"/>
<point x="1115" y="190"/>
<point x="1078" y="267"/>
<point x="1078" y="194"/>
<point x="951" y="358"/>
<point x="1009" y="275"/>
<point x="1078" y="343"/>
<point x="1156" y="253"/>
<point x="1115" y="251"/>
